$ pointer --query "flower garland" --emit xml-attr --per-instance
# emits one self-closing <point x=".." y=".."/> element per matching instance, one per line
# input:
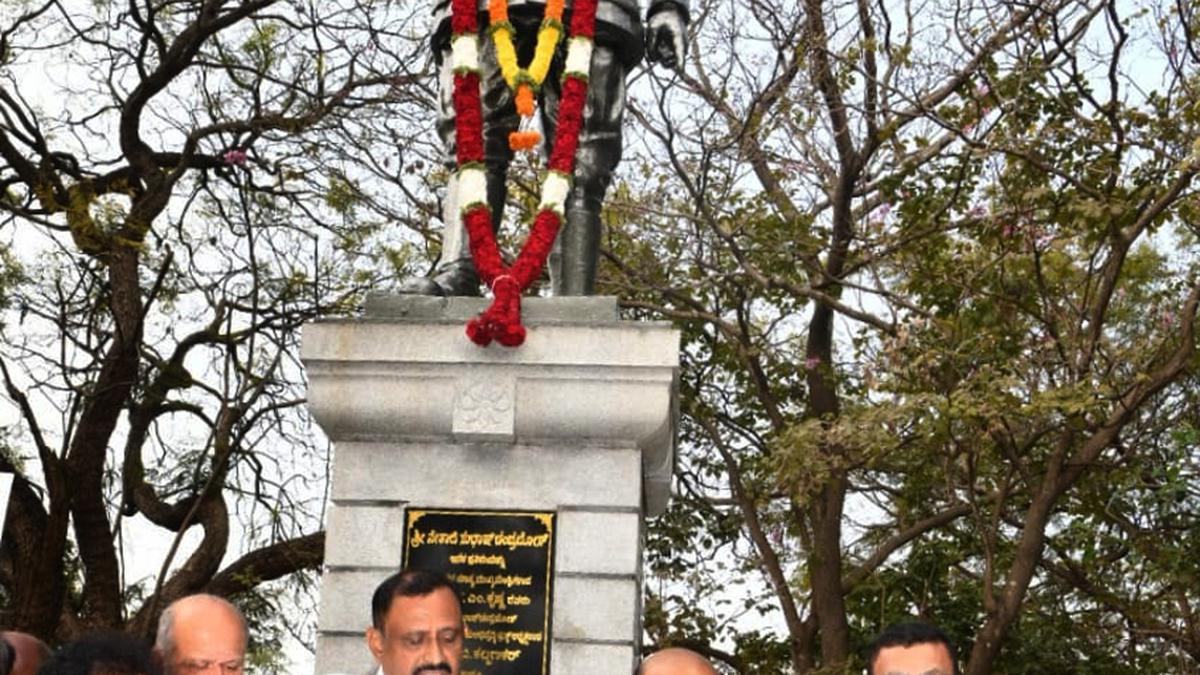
<point x="502" y="321"/>
<point x="525" y="81"/>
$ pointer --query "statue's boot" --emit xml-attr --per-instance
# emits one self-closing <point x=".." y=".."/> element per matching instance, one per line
<point x="455" y="272"/>
<point x="455" y="277"/>
<point x="576" y="251"/>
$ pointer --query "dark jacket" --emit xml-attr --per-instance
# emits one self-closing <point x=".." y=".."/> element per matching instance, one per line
<point x="618" y="22"/>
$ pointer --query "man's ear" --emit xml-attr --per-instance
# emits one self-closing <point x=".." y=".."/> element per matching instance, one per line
<point x="375" y="643"/>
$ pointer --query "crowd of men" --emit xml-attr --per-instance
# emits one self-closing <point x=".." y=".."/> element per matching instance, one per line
<point x="416" y="627"/>
<point x="197" y="635"/>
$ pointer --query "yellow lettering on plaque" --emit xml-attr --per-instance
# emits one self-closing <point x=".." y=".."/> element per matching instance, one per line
<point x="485" y="618"/>
<point x="490" y="656"/>
<point x="496" y="559"/>
<point x="435" y="538"/>
<point x="496" y="601"/>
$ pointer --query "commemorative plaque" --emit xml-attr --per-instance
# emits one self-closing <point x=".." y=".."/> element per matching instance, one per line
<point x="502" y="563"/>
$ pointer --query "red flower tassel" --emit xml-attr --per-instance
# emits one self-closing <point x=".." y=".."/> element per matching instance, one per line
<point x="484" y="251"/>
<point x="468" y="118"/>
<point x="528" y="266"/>
<point x="463" y="18"/>
<point x="583" y="20"/>
<point x="570" y="124"/>
<point x="502" y="321"/>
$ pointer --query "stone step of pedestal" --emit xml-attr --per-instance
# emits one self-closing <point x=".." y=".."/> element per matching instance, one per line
<point x="593" y="309"/>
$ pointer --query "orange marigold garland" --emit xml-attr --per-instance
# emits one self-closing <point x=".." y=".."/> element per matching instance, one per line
<point x="502" y="321"/>
<point x="524" y="81"/>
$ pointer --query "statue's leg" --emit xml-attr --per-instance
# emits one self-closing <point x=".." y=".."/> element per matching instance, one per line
<point x="577" y="250"/>
<point x="500" y="119"/>
<point x="455" y="272"/>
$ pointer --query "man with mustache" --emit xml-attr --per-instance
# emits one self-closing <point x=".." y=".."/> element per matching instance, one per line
<point x="417" y="624"/>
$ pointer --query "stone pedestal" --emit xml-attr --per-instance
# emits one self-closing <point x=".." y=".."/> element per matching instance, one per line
<point x="580" y="420"/>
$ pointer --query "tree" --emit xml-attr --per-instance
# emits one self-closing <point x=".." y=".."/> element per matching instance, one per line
<point x="182" y="192"/>
<point x="934" y="265"/>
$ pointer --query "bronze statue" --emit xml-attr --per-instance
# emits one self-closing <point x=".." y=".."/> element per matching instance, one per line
<point x="620" y="44"/>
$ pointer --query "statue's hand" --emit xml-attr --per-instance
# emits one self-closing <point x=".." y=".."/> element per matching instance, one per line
<point x="666" y="32"/>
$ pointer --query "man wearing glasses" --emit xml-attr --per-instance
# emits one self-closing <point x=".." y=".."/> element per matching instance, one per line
<point x="417" y="624"/>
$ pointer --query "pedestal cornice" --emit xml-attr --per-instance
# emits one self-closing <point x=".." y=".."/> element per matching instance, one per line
<point x="407" y="372"/>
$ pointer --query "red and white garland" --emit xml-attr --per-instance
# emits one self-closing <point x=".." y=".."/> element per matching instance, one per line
<point x="502" y="321"/>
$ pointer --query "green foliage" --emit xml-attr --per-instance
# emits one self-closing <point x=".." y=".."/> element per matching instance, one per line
<point x="12" y="274"/>
<point x="342" y="196"/>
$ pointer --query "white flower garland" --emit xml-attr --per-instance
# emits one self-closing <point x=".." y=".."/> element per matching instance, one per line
<point x="464" y="53"/>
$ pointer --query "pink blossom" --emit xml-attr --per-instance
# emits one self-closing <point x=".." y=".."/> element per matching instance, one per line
<point x="234" y="157"/>
<point x="812" y="362"/>
<point x="982" y="90"/>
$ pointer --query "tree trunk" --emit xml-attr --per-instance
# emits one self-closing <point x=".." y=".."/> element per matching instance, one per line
<point x="825" y="564"/>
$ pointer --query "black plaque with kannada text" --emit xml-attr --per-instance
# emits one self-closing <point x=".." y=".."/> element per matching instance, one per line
<point x="502" y="563"/>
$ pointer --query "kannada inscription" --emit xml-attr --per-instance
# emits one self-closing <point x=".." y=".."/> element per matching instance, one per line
<point x="502" y="563"/>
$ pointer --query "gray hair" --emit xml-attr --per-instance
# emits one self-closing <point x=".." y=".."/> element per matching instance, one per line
<point x="164" y="638"/>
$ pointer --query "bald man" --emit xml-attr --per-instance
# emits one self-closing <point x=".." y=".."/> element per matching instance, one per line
<point x="676" y="661"/>
<point x="21" y="653"/>
<point x="202" y="634"/>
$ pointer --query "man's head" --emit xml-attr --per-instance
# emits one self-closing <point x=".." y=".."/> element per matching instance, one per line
<point x="912" y="649"/>
<point x="103" y="654"/>
<point x="21" y="653"/>
<point x="202" y="635"/>
<point x="676" y="661"/>
<point x="417" y="624"/>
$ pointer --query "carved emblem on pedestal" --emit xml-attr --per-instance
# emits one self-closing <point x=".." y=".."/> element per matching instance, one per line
<point x="483" y="408"/>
